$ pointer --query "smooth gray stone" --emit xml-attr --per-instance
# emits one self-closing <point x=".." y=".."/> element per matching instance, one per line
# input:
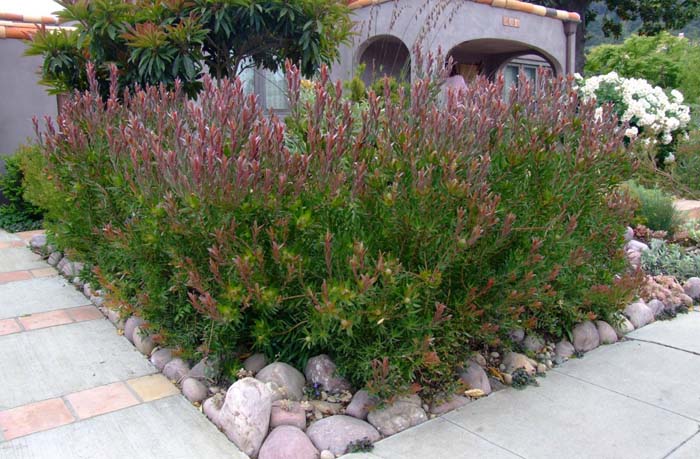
<point x="658" y="375"/>
<point x="167" y="428"/>
<point x="38" y="295"/>
<point x="683" y="332"/>
<point x="566" y="414"/>
<point x="19" y="259"/>
<point x="51" y="362"/>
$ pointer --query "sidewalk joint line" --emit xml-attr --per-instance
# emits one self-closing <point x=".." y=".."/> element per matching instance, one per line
<point x="664" y="345"/>
<point x="482" y="437"/>
<point x="626" y="396"/>
<point x="682" y="444"/>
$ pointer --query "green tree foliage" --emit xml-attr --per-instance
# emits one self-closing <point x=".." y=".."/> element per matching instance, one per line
<point x="663" y="60"/>
<point x="161" y="41"/>
<point x="655" y="16"/>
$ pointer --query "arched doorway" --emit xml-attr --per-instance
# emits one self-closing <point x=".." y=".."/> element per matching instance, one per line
<point x="489" y="57"/>
<point x="384" y="55"/>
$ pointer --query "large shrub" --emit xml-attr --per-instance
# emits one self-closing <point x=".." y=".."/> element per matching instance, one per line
<point x="395" y="234"/>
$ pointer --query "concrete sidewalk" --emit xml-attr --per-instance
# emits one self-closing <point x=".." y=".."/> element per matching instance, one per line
<point x="71" y="387"/>
<point x="636" y="399"/>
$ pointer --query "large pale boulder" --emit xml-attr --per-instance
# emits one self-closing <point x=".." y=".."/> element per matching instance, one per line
<point x="288" y="442"/>
<point x="286" y="381"/>
<point x="564" y="349"/>
<point x="245" y="414"/>
<point x="639" y="314"/>
<point x="475" y="377"/>
<point x="212" y="408"/>
<point x="335" y="433"/>
<point x="585" y="337"/>
<point x="398" y="416"/>
<point x="321" y="371"/>
<point x="656" y="306"/>
<point x="287" y="413"/>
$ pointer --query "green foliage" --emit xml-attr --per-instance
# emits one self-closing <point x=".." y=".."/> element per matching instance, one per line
<point x="392" y="234"/>
<point x="522" y="379"/>
<point x="670" y="259"/>
<point x="156" y="41"/>
<point x="684" y="173"/>
<point x="663" y="60"/>
<point x="655" y="208"/>
<point x="17" y="214"/>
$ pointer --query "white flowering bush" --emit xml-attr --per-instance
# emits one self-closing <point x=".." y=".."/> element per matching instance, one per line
<point x="654" y="116"/>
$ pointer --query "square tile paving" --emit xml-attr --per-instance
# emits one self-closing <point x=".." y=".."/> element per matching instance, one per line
<point x="35" y="417"/>
<point x="169" y="428"/>
<point x="45" y="319"/>
<point x="19" y="259"/>
<point x="565" y="417"/>
<point x="153" y="387"/>
<point x="56" y="361"/>
<point x="8" y="326"/>
<point x="101" y="400"/>
<point x="14" y="276"/>
<point x="83" y="313"/>
<point x="38" y="295"/>
<point x="654" y="374"/>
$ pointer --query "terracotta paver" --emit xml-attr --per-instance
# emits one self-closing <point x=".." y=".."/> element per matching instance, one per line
<point x="83" y="313"/>
<point x="153" y="387"/>
<point x="34" y="417"/>
<point x="27" y="235"/>
<point x="11" y="244"/>
<point x="8" y="326"/>
<point x="44" y="272"/>
<point x="45" y="319"/>
<point x="101" y="400"/>
<point x="13" y="276"/>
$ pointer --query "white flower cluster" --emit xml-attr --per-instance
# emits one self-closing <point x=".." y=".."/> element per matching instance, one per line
<point x="648" y="109"/>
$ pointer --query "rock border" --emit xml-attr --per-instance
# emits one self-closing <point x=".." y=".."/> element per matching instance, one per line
<point x="274" y="410"/>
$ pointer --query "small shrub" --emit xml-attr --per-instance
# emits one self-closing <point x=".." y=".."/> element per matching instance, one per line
<point x="671" y="260"/>
<point x="522" y="379"/>
<point x="17" y="214"/>
<point x="395" y="234"/>
<point x="656" y="209"/>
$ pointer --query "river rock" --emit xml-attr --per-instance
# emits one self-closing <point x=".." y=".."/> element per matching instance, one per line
<point x="286" y="381"/>
<point x="321" y="372"/>
<point x="639" y="314"/>
<point x="629" y="234"/>
<point x="515" y="360"/>
<point x="288" y="442"/>
<point x="563" y="351"/>
<point x="656" y="306"/>
<point x="38" y="242"/>
<point x="194" y="390"/>
<point x="517" y="335"/>
<point x="686" y="300"/>
<point x="287" y="413"/>
<point x="71" y="269"/>
<point x="624" y="327"/>
<point x="533" y="343"/>
<point x="212" y="408"/>
<point x="475" y="377"/>
<point x="636" y="246"/>
<point x="451" y="403"/>
<point x="255" y="363"/>
<point x="335" y="433"/>
<point x="143" y="342"/>
<point x="161" y="357"/>
<point x="130" y="325"/>
<point x="398" y="416"/>
<point x="692" y="288"/>
<point x="206" y="369"/>
<point x="176" y="369"/>
<point x="360" y="404"/>
<point x="245" y="414"/>
<point x="607" y="334"/>
<point x="55" y="258"/>
<point x="585" y="337"/>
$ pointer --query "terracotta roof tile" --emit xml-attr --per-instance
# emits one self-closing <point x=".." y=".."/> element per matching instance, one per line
<point x="515" y="5"/>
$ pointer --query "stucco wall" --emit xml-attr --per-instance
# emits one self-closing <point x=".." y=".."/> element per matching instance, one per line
<point x="21" y="97"/>
<point x="458" y="22"/>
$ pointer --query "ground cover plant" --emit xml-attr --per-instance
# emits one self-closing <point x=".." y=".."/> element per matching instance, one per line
<point x="17" y="214"/>
<point x="395" y="234"/>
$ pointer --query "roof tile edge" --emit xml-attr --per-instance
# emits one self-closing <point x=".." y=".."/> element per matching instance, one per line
<point x="514" y="5"/>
